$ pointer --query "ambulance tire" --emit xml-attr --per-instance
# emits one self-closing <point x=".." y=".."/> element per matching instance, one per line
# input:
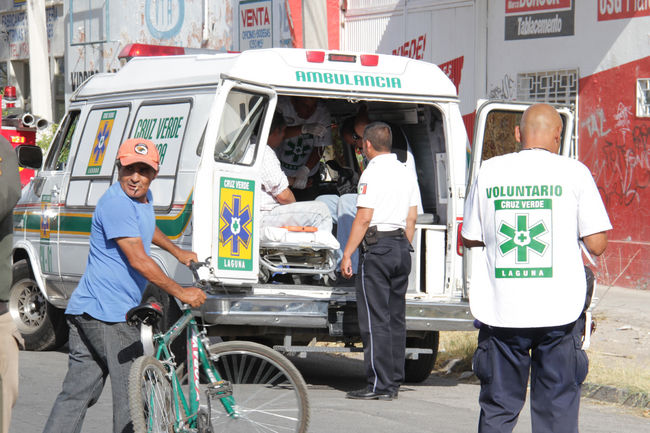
<point x="41" y="324"/>
<point x="417" y="370"/>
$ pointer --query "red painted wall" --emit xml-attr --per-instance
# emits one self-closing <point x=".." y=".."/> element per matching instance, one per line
<point x="615" y="145"/>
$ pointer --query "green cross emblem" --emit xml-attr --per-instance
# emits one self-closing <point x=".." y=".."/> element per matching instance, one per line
<point x="297" y="150"/>
<point x="522" y="238"/>
<point x="234" y="225"/>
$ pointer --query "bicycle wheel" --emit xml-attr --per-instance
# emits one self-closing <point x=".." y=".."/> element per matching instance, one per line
<point x="269" y="392"/>
<point x="151" y="400"/>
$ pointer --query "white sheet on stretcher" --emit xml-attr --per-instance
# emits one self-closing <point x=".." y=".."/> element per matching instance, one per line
<point x="318" y="239"/>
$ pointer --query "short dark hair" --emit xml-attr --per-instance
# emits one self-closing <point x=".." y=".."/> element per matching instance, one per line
<point x="277" y="122"/>
<point x="347" y="126"/>
<point x="379" y="135"/>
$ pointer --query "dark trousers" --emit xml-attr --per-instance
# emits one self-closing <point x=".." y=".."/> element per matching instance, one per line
<point x="383" y="269"/>
<point x="97" y="350"/>
<point x="557" y="366"/>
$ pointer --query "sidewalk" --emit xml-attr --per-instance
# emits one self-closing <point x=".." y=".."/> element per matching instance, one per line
<point x="620" y="348"/>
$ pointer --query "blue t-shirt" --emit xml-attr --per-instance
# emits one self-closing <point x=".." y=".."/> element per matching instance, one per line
<point x="110" y="286"/>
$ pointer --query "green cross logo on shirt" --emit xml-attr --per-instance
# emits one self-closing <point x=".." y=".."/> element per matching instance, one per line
<point x="522" y="238"/>
<point x="297" y="150"/>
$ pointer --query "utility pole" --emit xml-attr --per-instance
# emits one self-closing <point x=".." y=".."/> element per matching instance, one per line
<point x="39" y="69"/>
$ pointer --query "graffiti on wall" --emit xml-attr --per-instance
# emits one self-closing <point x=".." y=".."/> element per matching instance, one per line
<point x="615" y="144"/>
<point x="506" y="89"/>
<point x="621" y="164"/>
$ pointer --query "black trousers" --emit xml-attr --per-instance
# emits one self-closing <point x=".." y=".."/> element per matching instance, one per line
<point x="557" y="367"/>
<point x="381" y="307"/>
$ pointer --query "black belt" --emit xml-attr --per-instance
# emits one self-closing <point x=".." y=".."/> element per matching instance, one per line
<point x="4" y="307"/>
<point x="390" y="233"/>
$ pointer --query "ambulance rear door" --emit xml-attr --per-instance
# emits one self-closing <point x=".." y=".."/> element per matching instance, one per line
<point x="227" y="185"/>
<point x="494" y="135"/>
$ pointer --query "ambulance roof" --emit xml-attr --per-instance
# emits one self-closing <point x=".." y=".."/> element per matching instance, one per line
<point x="279" y="67"/>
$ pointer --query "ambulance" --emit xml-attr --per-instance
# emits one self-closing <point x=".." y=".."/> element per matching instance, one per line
<point x="209" y="115"/>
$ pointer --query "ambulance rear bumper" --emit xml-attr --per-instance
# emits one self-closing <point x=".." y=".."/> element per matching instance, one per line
<point x="309" y="312"/>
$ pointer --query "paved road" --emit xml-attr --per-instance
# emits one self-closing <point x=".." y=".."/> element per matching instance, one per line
<point x="439" y="404"/>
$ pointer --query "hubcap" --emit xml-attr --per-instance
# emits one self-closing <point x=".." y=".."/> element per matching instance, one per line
<point x="27" y="306"/>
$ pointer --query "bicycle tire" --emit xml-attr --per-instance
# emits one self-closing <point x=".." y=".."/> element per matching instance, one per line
<point x="148" y="383"/>
<point x="270" y="393"/>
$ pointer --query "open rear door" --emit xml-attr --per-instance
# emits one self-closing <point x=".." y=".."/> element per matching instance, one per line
<point x="227" y="186"/>
<point x="494" y="135"/>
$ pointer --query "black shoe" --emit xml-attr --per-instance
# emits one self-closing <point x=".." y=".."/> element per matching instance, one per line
<point x="367" y="394"/>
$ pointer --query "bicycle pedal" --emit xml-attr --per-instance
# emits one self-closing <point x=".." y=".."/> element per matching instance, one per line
<point x="219" y="389"/>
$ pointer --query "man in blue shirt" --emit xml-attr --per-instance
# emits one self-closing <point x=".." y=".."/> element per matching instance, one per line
<point x="119" y="266"/>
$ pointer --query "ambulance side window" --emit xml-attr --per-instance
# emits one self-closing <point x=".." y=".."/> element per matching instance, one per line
<point x="94" y="160"/>
<point x="57" y="158"/>
<point x="239" y="127"/>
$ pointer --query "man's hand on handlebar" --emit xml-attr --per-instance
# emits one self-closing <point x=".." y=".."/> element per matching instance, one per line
<point x="192" y="296"/>
<point x="186" y="256"/>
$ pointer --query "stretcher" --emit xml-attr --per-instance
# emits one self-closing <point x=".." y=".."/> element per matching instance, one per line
<point x="297" y="251"/>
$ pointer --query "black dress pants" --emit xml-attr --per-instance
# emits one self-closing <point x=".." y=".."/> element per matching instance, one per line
<point x="381" y="286"/>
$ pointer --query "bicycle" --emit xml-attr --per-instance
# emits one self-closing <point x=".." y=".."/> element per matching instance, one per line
<point x="255" y="388"/>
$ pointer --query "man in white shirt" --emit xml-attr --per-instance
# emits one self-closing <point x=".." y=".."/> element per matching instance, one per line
<point x="385" y="222"/>
<point x="277" y="202"/>
<point x="529" y="211"/>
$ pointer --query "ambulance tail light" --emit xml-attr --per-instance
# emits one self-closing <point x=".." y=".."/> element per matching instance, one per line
<point x="459" y="240"/>
<point x="146" y="50"/>
<point x="315" y="56"/>
<point x="369" y="60"/>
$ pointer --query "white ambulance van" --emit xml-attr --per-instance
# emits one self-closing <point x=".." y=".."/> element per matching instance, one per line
<point x="209" y="115"/>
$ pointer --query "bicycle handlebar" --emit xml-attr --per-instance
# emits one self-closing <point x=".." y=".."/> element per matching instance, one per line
<point x="194" y="267"/>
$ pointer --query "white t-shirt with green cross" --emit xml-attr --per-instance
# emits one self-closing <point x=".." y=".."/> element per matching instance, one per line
<point x="530" y="209"/>
<point x="294" y="152"/>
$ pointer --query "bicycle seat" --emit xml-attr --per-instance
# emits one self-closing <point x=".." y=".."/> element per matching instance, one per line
<point x="147" y="313"/>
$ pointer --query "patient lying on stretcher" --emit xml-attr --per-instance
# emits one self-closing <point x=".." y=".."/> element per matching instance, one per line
<point x="306" y="223"/>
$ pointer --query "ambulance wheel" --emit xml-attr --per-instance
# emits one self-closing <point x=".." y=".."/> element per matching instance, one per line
<point x="42" y="325"/>
<point x="417" y="370"/>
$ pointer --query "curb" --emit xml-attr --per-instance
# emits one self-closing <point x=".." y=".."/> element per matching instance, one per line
<point x="605" y="393"/>
<point x="611" y="394"/>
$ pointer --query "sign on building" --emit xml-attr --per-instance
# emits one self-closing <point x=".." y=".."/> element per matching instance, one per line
<point x="255" y="24"/>
<point x="532" y="19"/>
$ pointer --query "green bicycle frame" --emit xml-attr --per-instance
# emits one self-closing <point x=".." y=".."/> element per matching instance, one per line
<point x="187" y="410"/>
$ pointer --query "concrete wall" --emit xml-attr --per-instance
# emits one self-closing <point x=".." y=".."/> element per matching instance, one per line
<point x="485" y="46"/>
<point x="609" y="49"/>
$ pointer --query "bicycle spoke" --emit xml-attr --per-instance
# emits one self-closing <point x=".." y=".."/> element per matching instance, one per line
<point x="265" y="391"/>
<point x="150" y="397"/>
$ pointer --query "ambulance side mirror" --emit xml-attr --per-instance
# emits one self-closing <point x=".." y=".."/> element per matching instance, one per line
<point x="29" y="156"/>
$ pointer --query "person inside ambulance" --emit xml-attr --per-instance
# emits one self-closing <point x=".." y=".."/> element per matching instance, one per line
<point x="278" y="204"/>
<point x="343" y="207"/>
<point x="306" y="134"/>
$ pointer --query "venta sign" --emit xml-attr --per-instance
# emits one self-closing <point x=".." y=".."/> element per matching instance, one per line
<point x="532" y="19"/>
